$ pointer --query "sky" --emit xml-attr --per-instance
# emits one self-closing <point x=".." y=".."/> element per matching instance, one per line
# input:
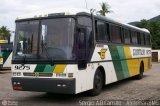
<point x="123" y="10"/>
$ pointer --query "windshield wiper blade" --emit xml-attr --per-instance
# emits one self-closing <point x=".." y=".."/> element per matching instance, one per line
<point x="47" y="54"/>
<point x="24" y="60"/>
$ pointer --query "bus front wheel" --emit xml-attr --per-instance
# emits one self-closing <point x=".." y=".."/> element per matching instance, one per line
<point x="97" y="84"/>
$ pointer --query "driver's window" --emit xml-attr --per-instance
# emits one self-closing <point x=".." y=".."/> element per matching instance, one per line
<point x="81" y="40"/>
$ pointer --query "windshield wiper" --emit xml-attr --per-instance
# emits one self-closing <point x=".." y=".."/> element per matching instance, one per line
<point x="24" y="60"/>
<point x="44" y="48"/>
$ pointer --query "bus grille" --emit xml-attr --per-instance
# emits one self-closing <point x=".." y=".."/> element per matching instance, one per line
<point x="38" y="74"/>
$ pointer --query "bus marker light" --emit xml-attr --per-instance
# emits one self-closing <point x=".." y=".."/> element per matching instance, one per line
<point x="14" y="83"/>
<point x="18" y="83"/>
<point x="59" y="85"/>
<point x="64" y="85"/>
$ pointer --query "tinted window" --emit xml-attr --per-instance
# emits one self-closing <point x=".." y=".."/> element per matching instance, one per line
<point x="6" y="46"/>
<point x="116" y="34"/>
<point x="85" y="21"/>
<point x="147" y="39"/>
<point x="58" y="37"/>
<point x="139" y="38"/>
<point x="26" y="37"/>
<point x="142" y="38"/>
<point x="127" y="38"/>
<point x="102" y="31"/>
<point x="134" y="37"/>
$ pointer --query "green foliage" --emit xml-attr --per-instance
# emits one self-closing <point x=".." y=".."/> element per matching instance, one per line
<point x="105" y="8"/>
<point x="4" y="31"/>
<point x="154" y="28"/>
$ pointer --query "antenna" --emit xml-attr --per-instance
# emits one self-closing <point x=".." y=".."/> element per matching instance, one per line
<point x="86" y="4"/>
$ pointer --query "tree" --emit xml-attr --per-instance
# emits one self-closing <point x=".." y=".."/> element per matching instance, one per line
<point x="154" y="28"/>
<point x="5" y="33"/>
<point x="143" y="23"/>
<point x="105" y="8"/>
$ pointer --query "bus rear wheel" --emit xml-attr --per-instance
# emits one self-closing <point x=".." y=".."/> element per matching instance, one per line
<point x="97" y="84"/>
<point x="141" y="70"/>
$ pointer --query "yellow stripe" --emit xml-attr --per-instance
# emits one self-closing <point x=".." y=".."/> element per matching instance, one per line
<point x="127" y="52"/>
<point x="133" y="65"/>
<point x="59" y="68"/>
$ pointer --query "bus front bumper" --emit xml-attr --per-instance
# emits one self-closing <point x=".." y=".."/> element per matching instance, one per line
<point x="62" y="86"/>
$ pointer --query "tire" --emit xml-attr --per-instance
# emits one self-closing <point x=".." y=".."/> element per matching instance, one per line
<point x="141" y="71"/>
<point x="97" y="83"/>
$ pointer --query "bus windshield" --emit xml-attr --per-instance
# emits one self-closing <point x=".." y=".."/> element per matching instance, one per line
<point x="46" y="39"/>
<point x="27" y="38"/>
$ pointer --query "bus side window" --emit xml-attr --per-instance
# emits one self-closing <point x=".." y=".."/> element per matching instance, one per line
<point x="139" y="38"/>
<point x="116" y="34"/>
<point x="147" y="39"/>
<point x="134" y="37"/>
<point x="127" y="39"/>
<point x="122" y="34"/>
<point x="102" y="31"/>
<point x="142" y="39"/>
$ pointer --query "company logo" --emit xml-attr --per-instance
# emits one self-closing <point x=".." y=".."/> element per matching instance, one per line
<point x="102" y="53"/>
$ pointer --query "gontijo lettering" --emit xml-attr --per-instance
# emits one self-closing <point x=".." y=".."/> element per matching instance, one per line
<point x="138" y="52"/>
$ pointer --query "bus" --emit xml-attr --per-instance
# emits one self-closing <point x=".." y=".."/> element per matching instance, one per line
<point x="72" y="52"/>
<point x="1" y="59"/>
<point x="6" y="50"/>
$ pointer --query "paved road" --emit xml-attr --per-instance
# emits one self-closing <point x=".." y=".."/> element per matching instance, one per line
<point x="130" y="89"/>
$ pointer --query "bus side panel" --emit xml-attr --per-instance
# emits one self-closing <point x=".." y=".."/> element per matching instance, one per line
<point x="147" y="64"/>
<point x="7" y="59"/>
<point x="102" y="57"/>
<point x="119" y="61"/>
<point x="126" y="60"/>
<point x="133" y="66"/>
<point x="136" y="55"/>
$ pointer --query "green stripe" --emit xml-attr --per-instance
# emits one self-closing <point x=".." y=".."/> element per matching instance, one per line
<point x="117" y="64"/>
<point x="40" y="68"/>
<point x="49" y="68"/>
<point x="123" y="62"/>
<point x="44" y="68"/>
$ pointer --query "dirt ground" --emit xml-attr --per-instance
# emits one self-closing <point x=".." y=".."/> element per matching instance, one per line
<point x="130" y="89"/>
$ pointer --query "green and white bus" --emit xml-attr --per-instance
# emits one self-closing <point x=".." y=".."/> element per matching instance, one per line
<point x="73" y="52"/>
<point x="6" y="51"/>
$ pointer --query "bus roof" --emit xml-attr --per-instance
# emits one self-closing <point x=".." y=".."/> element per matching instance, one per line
<point x="122" y="24"/>
<point x="74" y="11"/>
<point x="50" y="12"/>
